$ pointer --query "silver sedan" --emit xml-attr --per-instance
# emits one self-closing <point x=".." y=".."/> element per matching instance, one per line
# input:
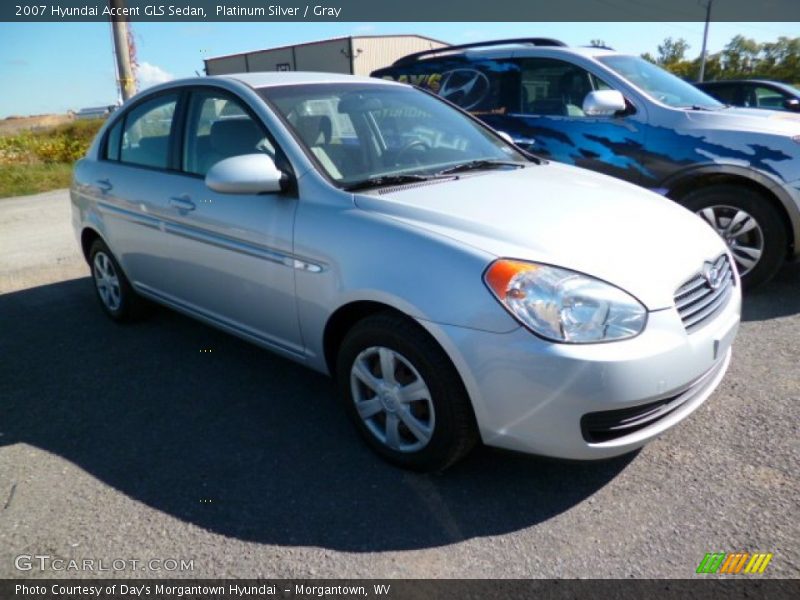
<point x="457" y="288"/>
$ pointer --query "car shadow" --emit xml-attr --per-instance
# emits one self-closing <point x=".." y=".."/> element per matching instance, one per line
<point x="229" y="437"/>
<point x="780" y="297"/>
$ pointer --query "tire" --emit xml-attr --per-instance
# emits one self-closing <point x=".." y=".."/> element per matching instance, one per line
<point x="718" y="205"/>
<point x="430" y="433"/>
<point x="113" y="290"/>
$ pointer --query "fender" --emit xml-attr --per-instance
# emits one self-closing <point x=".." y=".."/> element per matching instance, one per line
<point x="788" y="200"/>
<point x="315" y="353"/>
<point x="94" y="223"/>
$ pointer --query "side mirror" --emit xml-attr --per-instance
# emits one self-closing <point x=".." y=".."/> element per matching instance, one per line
<point x="506" y="136"/>
<point x="792" y="104"/>
<point x="603" y="103"/>
<point x="246" y="174"/>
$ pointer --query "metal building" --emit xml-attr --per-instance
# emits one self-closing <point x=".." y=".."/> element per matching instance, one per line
<point x="357" y="55"/>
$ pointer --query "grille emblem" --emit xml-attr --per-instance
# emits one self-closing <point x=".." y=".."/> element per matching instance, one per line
<point x="713" y="275"/>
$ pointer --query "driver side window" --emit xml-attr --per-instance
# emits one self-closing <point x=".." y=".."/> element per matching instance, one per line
<point x="555" y="88"/>
<point x="218" y="128"/>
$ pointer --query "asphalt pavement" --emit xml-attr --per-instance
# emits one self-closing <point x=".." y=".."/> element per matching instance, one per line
<point x="136" y="442"/>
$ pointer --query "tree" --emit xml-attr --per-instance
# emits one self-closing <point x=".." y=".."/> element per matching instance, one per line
<point x="742" y="57"/>
<point x="672" y="52"/>
<point x="781" y="59"/>
<point x="598" y="44"/>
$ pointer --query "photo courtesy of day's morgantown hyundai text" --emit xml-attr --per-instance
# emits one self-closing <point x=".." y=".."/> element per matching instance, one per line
<point x="457" y="288"/>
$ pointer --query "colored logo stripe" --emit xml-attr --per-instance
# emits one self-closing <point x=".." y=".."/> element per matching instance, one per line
<point x="734" y="562"/>
<point x="758" y="563"/>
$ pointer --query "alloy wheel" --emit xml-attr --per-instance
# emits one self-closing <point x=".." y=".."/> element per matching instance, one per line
<point x="107" y="281"/>
<point x="392" y="399"/>
<point x="741" y="233"/>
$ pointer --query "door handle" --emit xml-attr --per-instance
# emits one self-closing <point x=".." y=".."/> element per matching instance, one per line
<point x="183" y="203"/>
<point x="105" y="185"/>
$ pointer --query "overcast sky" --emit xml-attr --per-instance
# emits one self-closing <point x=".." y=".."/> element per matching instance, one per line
<point x="54" y="67"/>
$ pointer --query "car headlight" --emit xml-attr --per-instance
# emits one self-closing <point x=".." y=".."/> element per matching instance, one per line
<point x="562" y="305"/>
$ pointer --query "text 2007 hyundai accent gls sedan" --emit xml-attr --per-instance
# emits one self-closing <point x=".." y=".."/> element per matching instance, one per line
<point x="456" y="288"/>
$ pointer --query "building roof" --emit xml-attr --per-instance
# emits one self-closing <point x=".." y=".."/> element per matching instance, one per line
<point x="324" y="41"/>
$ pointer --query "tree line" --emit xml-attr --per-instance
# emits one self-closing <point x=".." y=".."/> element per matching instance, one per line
<point x="741" y="58"/>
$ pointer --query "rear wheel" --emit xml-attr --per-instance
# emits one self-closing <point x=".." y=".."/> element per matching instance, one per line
<point x="114" y="291"/>
<point x="750" y="225"/>
<point x="403" y="394"/>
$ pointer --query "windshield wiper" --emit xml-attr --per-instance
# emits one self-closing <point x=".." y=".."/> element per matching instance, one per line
<point x="401" y="178"/>
<point x="477" y="165"/>
<point x="381" y="180"/>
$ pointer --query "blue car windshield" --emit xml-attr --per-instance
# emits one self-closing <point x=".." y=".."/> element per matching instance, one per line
<point x="658" y="83"/>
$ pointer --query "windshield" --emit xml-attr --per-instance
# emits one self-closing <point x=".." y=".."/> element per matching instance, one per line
<point x="792" y="89"/>
<point x="360" y="133"/>
<point x="658" y="83"/>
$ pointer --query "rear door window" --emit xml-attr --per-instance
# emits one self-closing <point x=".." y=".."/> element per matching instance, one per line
<point x="112" y="142"/>
<point x="481" y="86"/>
<point x="145" y="138"/>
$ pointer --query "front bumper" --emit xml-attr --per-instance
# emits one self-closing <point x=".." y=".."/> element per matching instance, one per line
<point x="531" y="395"/>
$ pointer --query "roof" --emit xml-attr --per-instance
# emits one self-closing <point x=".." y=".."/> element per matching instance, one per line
<point x="767" y="82"/>
<point x="258" y="79"/>
<point x="590" y="51"/>
<point x="518" y="50"/>
<point x="324" y="41"/>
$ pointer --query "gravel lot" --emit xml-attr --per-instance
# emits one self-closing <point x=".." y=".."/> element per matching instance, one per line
<point x="129" y="442"/>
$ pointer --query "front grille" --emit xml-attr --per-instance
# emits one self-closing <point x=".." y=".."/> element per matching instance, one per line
<point x="609" y="425"/>
<point x="697" y="301"/>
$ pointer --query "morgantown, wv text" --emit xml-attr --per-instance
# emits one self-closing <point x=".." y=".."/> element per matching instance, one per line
<point x="160" y="590"/>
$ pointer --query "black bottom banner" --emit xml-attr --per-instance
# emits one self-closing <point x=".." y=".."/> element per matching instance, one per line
<point x="395" y="589"/>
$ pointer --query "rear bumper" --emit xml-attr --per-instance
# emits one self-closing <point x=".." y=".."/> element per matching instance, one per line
<point x="539" y="397"/>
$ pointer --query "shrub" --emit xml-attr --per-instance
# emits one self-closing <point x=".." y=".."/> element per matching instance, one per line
<point x="63" y="144"/>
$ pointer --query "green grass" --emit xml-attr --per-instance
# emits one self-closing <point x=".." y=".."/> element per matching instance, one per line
<point x="42" y="160"/>
<point x="20" y="180"/>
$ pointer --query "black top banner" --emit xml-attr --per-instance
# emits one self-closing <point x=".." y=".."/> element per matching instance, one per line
<point x="407" y="10"/>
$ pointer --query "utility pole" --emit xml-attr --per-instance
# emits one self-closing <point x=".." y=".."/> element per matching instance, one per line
<point x="705" y="41"/>
<point x="127" y="84"/>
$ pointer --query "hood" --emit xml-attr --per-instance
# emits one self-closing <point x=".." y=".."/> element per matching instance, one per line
<point x="563" y="216"/>
<point x="755" y="120"/>
<point x="766" y="140"/>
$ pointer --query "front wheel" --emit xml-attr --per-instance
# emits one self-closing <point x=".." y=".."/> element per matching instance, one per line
<point x="748" y="223"/>
<point x="403" y="394"/>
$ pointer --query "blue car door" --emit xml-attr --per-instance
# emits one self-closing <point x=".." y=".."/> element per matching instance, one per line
<point x="549" y="121"/>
